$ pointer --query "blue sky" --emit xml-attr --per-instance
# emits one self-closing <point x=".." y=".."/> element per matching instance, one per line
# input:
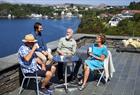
<point x="91" y="2"/>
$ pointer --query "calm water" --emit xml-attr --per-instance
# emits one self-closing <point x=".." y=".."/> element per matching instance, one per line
<point x="13" y="31"/>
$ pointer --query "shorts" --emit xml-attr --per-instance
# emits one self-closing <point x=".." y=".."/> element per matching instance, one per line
<point x="41" y="73"/>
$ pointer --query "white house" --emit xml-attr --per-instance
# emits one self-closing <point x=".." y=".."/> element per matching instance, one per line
<point x="114" y="21"/>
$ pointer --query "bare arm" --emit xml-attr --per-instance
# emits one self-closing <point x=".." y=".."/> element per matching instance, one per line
<point x="101" y="58"/>
<point x="30" y="54"/>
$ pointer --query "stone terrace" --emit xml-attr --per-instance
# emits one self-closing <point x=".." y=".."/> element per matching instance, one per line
<point x="125" y="81"/>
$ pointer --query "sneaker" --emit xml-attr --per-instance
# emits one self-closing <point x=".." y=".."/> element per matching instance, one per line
<point x="50" y="90"/>
<point x="69" y="78"/>
<point x="61" y="81"/>
<point x="75" y="81"/>
<point x="44" y="91"/>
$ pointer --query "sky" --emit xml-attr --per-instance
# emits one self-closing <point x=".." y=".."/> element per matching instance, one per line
<point x="90" y="2"/>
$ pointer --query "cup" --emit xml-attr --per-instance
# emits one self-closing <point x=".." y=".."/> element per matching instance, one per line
<point x="49" y="50"/>
<point x="89" y="49"/>
<point x="37" y="45"/>
<point x="62" y="58"/>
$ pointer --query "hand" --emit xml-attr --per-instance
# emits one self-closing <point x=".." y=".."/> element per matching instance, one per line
<point x="61" y="53"/>
<point x="43" y="68"/>
<point x="44" y="52"/>
<point x="34" y="47"/>
<point x="37" y="45"/>
<point x="90" y="54"/>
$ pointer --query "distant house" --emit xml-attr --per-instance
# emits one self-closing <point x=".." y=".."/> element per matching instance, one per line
<point x="36" y="15"/>
<point x="9" y="16"/>
<point x="69" y="14"/>
<point x="123" y="15"/>
<point x="86" y="9"/>
<point x="114" y="21"/>
<point x="105" y="15"/>
<point x="80" y="15"/>
<point x="130" y="11"/>
<point x="62" y="13"/>
<point x="109" y="7"/>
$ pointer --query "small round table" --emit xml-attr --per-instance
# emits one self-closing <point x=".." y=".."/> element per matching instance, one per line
<point x="66" y="60"/>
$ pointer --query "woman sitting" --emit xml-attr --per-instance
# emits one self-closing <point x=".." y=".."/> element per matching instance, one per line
<point x="98" y="54"/>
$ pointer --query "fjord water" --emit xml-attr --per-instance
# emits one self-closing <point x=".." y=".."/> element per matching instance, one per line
<point x="12" y="31"/>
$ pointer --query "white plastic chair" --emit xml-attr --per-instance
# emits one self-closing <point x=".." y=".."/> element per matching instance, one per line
<point x="29" y="77"/>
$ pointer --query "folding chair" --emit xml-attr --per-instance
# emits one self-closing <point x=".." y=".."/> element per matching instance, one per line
<point x="29" y="77"/>
<point x="102" y="70"/>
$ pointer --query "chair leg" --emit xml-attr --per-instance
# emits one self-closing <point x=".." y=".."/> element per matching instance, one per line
<point x="102" y="74"/>
<point x="28" y="82"/>
<point x="37" y="87"/>
<point x="21" y="86"/>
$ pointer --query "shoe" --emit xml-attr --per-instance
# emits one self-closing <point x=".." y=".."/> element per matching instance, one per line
<point x="75" y="81"/>
<point x="82" y="87"/>
<point x="69" y="78"/>
<point x="107" y="80"/>
<point x="44" y="91"/>
<point x="80" y="82"/>
<point x="50" y="83"/>
<point x="61" y="81"/>
<point x="50" y="90"/>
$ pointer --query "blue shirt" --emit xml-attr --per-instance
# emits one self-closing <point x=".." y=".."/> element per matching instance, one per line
<point x="40" y="42"/>
<point x="27" y="66"/>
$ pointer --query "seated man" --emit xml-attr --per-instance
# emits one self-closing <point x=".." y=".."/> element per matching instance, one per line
<point x="42" y="52"/>
<point x="67" y="47"/>
<point x="31" y="64"/>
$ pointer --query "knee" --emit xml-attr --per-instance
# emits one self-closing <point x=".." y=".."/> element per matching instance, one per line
<point x="44" y="59"/>
<point x="86" y="68"/>
<point x="50" y="57"/>
<point x="53" y="68"/>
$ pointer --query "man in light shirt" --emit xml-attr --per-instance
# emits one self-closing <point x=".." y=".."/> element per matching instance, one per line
<point x="67" y="47"/>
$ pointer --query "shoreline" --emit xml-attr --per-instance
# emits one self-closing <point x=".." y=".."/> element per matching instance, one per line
<point x="26" y="17"/>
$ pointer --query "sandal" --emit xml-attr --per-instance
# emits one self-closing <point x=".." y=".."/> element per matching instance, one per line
<point x="80" y="82"/>
<point x="82" y="87"/>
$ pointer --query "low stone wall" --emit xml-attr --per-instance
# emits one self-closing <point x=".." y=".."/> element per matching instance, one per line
<point x="9" y="79"/>
<point x="10" y="75"/>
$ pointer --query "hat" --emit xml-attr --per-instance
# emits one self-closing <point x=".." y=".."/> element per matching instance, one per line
<point x="29" y="38"/>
